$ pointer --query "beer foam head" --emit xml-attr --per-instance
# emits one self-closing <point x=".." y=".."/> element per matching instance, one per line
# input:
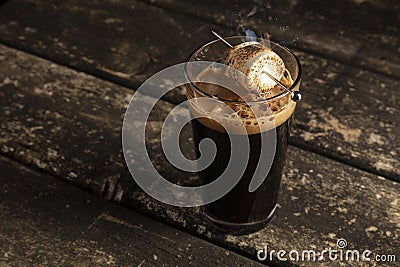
<point x="253" y="59"/>
<point x="256" y="116"/>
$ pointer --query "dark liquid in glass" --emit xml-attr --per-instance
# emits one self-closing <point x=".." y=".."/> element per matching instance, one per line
<point x="239" y="206"/>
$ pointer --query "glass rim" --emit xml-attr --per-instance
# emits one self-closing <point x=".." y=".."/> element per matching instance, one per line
<point x="284" y="93"/>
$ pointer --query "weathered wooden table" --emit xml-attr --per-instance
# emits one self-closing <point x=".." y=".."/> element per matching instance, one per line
<point x="68" y="70"/>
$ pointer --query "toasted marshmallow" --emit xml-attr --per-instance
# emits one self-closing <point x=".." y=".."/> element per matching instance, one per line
<point x="253" y="59"/>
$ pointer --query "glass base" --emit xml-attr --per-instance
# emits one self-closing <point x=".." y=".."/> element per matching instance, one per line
<point x="239" y="228"/>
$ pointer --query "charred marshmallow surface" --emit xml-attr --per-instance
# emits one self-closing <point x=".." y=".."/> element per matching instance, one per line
<point x="253" y="59"/>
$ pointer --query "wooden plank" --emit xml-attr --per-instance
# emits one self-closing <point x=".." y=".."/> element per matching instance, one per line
<point x="321" y="201"/>
<point x="124" y="42"/>
<point x="350" y="115"/>
<point x="45" y="221"/>
<point x="361" y="33"/>
<point x="68" y="124"/>
<point x="56" y="119"/>
<point x="357" y="136"/>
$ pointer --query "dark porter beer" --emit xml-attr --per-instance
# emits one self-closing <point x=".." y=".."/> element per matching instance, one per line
<point x="240" y="210"/>
<point x="262" y="107"/>
<point x="239" y="206"/>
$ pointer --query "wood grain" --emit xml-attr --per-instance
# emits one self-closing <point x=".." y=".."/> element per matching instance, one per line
<point x="348" y="113"/>
<point x="47" y="222"/>
<point x="68" y="124"/>
<point x="360" y="33"/>
<point x="125" y="42"/>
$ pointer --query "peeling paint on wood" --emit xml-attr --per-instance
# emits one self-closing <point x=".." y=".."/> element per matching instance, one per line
<point x="124" y="42"/>
<point x="73" y="131"/>
<point x="47" y="222"/>
<point x="343" y="106"/>
<point x="363" y="34"/>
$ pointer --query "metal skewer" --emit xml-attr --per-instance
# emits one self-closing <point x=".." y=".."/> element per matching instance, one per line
<point x="296" y="96"/>
<point x="222" y="39"/>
